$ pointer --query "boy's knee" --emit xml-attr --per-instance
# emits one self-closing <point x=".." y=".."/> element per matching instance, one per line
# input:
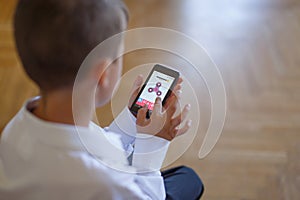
<point x="193" y="176"/>
<point x="188" y="170"/>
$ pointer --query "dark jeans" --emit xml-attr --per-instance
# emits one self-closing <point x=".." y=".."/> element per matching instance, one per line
<point x="182" y="183"/>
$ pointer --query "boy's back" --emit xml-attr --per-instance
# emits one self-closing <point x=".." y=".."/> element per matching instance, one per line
<point x="38" y="162"/>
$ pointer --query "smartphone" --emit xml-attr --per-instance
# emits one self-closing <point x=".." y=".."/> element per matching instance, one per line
<point x="159" y="83"/>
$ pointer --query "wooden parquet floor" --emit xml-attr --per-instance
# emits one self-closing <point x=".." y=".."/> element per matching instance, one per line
<point x="255" y="44"/>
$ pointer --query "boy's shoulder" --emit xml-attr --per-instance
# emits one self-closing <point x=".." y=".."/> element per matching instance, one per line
<point x="36" y="141"/>
<point x="43" y="153"/>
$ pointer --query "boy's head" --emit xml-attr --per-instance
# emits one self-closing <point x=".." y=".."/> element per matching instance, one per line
<point x="54" y="36"/>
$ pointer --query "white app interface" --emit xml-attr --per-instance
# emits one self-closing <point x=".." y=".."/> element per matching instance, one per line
<point x="157" y="86"/>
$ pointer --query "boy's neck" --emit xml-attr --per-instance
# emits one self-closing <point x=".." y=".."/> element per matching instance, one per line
<point x="57" y="107"/>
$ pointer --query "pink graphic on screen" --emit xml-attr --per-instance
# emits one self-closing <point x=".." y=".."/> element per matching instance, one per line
<point x="156" y="89"/>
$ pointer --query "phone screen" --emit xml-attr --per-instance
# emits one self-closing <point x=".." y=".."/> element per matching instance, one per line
<point x="158" y="85"/>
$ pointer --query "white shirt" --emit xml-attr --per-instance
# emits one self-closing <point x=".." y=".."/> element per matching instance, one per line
<point x="41" y="160"/>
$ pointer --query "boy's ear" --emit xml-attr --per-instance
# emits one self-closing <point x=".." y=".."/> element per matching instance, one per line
<point x="100" y="73"/>
<point x="103" y="80"/>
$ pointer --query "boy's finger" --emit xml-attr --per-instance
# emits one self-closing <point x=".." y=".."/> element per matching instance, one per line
<point x="137" y="83"/>
<point x="180" y="80"/>
<point x="135" y="89"/>
<point x="157" y="106"/>
<point x="184" y="129"/>
<point x="177" y="87"/>
<point x="175" y="95"/>
<point x="171" y="107"/>
<point x="141" y="116"/>
<point x="173" y="92"/>
<point x="181" y="117"/>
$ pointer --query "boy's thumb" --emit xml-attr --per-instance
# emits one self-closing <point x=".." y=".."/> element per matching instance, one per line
<point x="137" y="83"/>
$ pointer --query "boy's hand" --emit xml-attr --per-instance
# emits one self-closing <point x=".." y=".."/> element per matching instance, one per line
<point x="138" y="84"/>
<point x="163" y="123"/>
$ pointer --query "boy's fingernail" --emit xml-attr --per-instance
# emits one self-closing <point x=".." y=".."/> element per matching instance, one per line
<point x="178" y="92"/>
<point x="138" y="80"/>
<point x="188" y="107"/>
<point x="189" y="123"/>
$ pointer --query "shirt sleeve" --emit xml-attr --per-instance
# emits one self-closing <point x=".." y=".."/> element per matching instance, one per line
<point x="125" y="126"/>
<point x="143" y="179"/>
<point x="149" y="152"/>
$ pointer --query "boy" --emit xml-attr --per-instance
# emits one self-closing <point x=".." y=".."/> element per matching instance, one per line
<point x="41" y="154"/>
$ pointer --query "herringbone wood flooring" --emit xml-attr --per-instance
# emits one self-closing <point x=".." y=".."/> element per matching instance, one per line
<point x="255" y="44"/>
